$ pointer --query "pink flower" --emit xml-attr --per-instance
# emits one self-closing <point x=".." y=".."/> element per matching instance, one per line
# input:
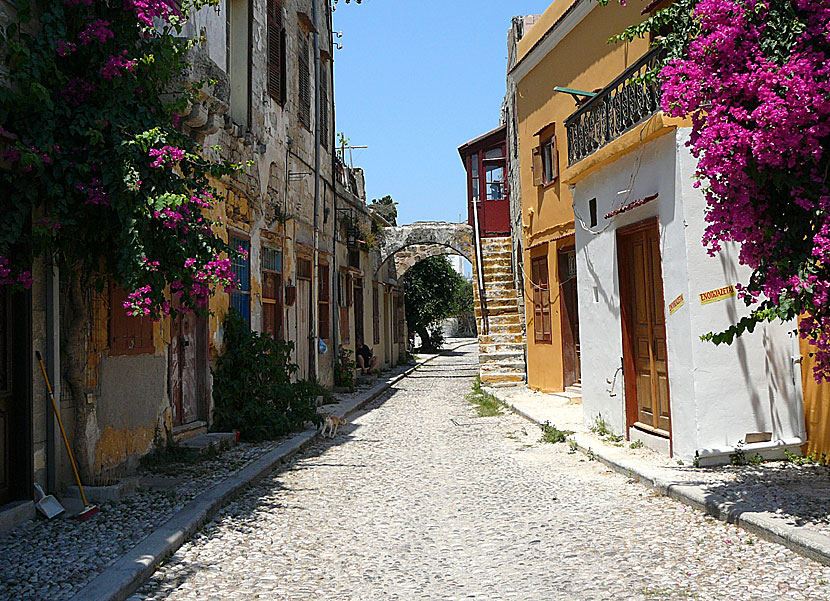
<point x="115" y="64"/>
<point x="97" y="30"/>
<point x="64" y="48"/>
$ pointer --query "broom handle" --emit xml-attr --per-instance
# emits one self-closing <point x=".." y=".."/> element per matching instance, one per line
<point x="60" y="423"/>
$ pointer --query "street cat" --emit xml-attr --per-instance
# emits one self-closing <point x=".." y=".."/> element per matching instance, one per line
<point x="330" y="425"/>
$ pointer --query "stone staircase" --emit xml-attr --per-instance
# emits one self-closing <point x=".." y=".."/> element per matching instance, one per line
<point x="500" y="340"/>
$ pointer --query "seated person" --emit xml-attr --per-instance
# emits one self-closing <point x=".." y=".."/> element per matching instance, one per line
<point x="366" y="361"/>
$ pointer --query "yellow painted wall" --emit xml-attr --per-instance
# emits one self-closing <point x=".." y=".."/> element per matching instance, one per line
<point x="816" y="405"/>
<point x="583" y="60"/>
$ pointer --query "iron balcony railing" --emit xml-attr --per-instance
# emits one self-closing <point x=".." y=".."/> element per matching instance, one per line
<point x="626" y="102"/>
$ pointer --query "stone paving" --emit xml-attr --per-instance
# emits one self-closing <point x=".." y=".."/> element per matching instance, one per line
<point x="420" y="499"/>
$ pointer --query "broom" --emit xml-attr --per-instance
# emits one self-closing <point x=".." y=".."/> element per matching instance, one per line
<point x="88" y="510"/>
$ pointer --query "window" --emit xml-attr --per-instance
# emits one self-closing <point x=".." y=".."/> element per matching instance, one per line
<point x="128" y="335"/>
<point x="474" y="177"/>
<point x="592" y="209"/>
<point x="344" y="298"/>
<point x="241" y="267"/>
<point x="304" y="72"/>
<point x="276" y="52"/>
<point x="541" y="300"/>
<point x="375" y="314"/>
<point x="324" y="108"/>
<point x="550" y="161"/>
<point x="323" y="299"/>
<point x="303" y="268"/>
<point x="354" y="258"/>
<point x="239" y="66"/>
<point x="272" y="306"/>
<point x="494" y="181"/>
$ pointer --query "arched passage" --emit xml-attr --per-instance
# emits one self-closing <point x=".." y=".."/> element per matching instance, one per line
<point x="409" y="244"/>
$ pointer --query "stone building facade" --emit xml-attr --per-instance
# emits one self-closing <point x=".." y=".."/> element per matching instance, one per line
<point x="313" y="275"/>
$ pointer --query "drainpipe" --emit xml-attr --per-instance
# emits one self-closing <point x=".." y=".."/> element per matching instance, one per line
<point x="480" y="270"/>
<point x="314" y="355"/>
<point x="335" y="316"/>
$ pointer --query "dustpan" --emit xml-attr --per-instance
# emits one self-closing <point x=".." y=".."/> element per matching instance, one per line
<point x="47" y="504"/>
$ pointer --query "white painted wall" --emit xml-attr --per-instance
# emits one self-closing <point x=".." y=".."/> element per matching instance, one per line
<point x="718" y="394"/>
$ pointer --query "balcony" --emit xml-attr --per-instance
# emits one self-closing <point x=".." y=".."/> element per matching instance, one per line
<point x="626" y="102"/>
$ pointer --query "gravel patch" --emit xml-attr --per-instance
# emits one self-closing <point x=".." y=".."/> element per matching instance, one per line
<point x="52" y="560"/>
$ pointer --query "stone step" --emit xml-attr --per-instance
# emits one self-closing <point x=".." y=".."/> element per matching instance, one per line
<point x="575" y="389"/>
<point x="496" y="367"/>
<point x="207" y="442"/>
<point x="516" y="348"/>
<point x="502" y="359"/>
<point x="495" y="337"/>
<point x="502" y="381"/>
<point x="498" y="321"/>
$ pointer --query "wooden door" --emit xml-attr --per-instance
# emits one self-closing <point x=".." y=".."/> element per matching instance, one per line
<point x="303" y="325"/>
<point x="272" y="312"/>
<point x="14" y="410"/>
<point x="570" y="317"/>
<point x="188" y="368"/>
<point x="358" y="310"/>
<point x="644" y="328"/>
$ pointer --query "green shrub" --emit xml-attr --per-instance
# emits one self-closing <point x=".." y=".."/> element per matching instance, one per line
<point x="344" y="369"/>
<point x="252" y="387"/>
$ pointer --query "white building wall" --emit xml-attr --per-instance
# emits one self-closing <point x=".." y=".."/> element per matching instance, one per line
<point x="717" y="394"/>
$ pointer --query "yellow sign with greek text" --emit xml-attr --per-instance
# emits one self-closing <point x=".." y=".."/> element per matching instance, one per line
<point x="676" y="304"/>
<point x="716" y="295"/>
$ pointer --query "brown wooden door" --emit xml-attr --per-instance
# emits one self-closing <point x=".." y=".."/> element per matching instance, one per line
<point x="188" y="368"/>
<point x="570" y="318"/>
<point x="358" y="310"/>
<point x="7" y="396"/>
<point x="272" y="311"/>
<point x="644" y="328"/>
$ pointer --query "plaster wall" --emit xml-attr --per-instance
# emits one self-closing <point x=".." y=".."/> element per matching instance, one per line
<point x="580" y="60"/>
<point x="717" y="394"/>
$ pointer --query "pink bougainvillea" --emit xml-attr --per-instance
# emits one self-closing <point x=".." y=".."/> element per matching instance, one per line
<point x="116" y="64"/>
<point x="166" y="155"/>
<point x="96" y="30"/>
<point x="756" y="81"/>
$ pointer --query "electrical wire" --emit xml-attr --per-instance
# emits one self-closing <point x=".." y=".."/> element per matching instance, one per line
<point x="635" y="172"/>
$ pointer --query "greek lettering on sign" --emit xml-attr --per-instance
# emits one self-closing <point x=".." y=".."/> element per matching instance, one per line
<point x="716" y="295"/>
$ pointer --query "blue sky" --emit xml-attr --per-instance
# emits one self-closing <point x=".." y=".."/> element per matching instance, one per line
<point x="415" y="80"/>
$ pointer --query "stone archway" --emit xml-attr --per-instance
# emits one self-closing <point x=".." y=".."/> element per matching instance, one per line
<point x="408" y="244"/>
<point x="407" y="258"/>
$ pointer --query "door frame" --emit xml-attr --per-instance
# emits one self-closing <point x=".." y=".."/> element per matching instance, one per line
<point x="201" y="363"/>
<point x="626" y="296"/>
<point x="570" y="343"/>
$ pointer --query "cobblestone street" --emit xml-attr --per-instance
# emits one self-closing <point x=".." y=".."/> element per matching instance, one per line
<point x="418" y="498"/>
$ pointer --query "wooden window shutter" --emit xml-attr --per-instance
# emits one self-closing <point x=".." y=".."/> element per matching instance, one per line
<point x="538" y="168"/>
<point x="323" y="301"/>
<point x="276" y="52"/>
<point x="376" y="314"/>
<point x="554" y="159"/>
<point x="128" y="335"/>
<point x="324" y="108"/>
<point x="304" y="109"/>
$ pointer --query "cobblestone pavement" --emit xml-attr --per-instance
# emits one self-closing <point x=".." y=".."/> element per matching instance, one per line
<point x="420" y="499"/>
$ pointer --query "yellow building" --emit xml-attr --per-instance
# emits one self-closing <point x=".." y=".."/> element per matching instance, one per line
<point x="565" y="48"/>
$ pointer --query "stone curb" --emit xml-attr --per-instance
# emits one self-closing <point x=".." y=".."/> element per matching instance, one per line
<point x="766" y="525"/>
<point x="122" y="578"/>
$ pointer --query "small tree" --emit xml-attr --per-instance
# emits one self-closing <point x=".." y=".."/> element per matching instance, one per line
<point x="386" y="208"/>
<point x="430" y="293"/>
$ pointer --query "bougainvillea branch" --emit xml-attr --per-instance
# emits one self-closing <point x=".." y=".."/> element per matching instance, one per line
<point x="98" y="176"/>
<point x="754" y="77"/>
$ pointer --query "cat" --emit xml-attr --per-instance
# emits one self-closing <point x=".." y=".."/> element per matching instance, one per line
<point x="330" y="425"/>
